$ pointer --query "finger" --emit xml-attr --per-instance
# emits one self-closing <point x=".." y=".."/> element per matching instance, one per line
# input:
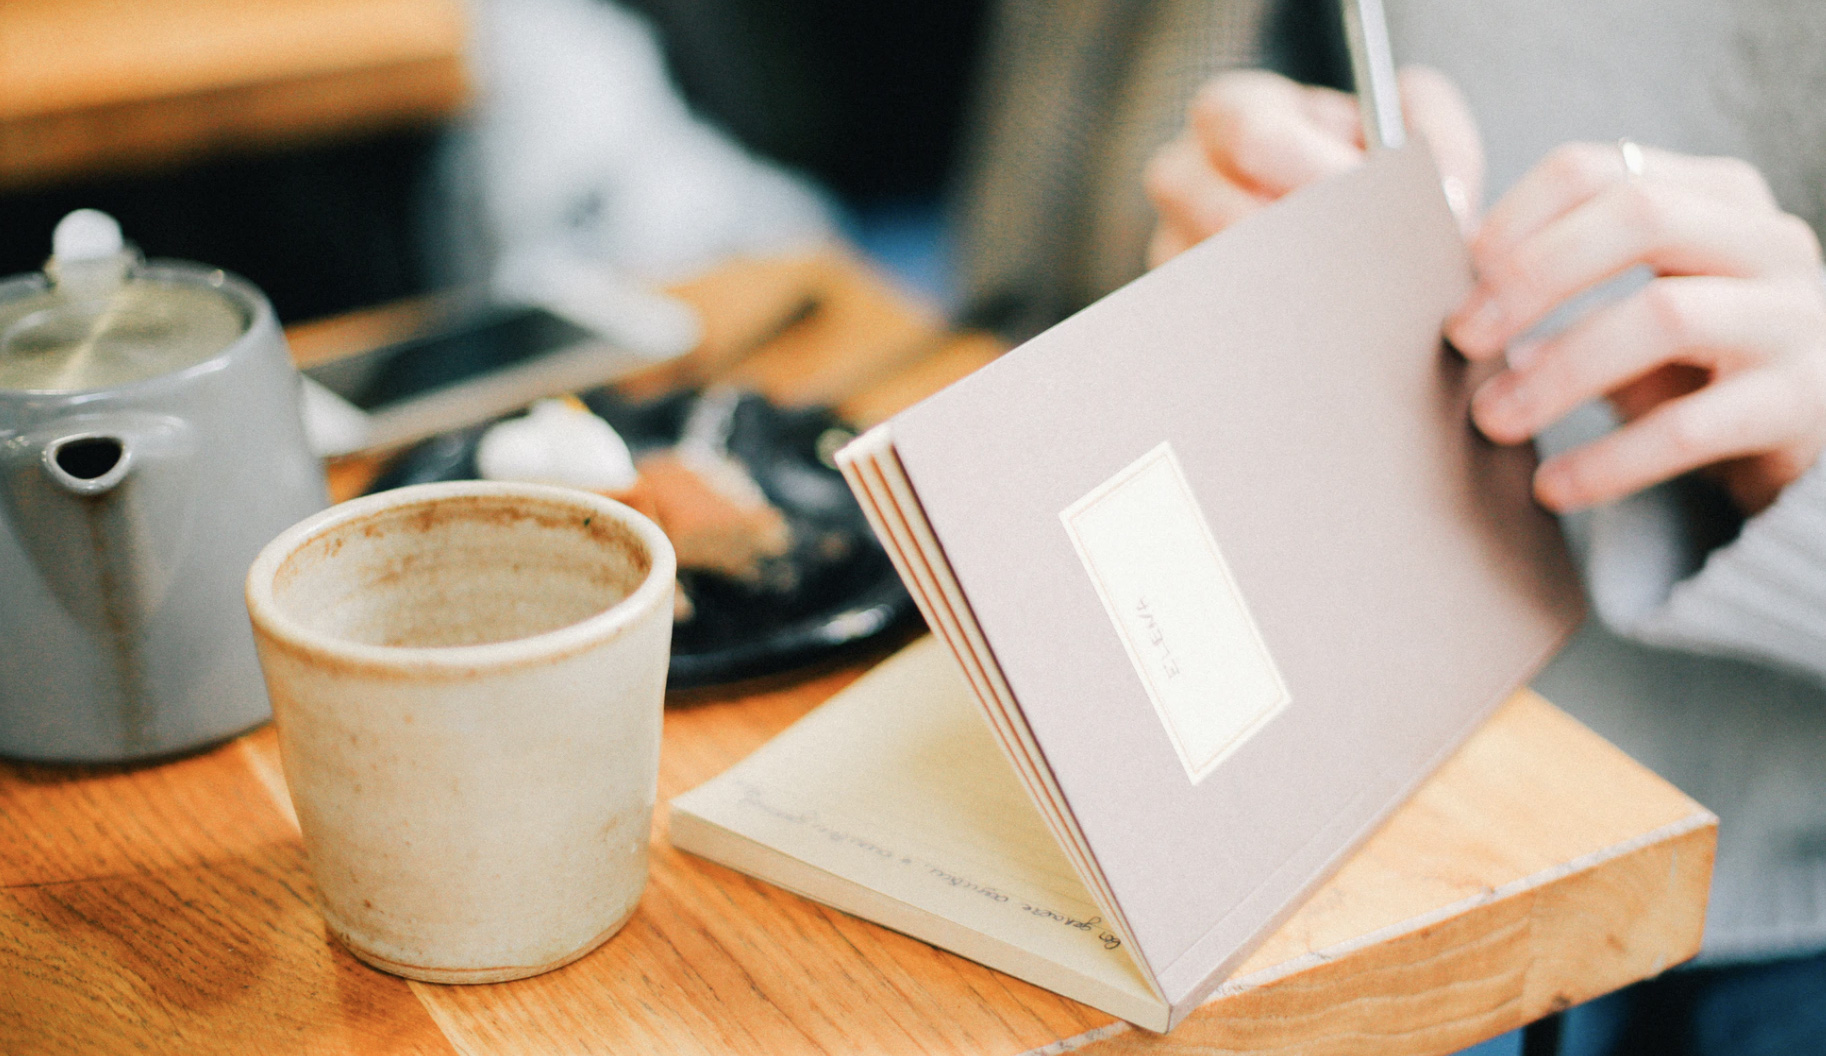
<point x="1334" y="113"/>
<point x="1721" y="324"/>
<point x="1651" y="390"/>
<point x="1194" y="201"/>
<point x="1437" y="110"/>
<point x="1675" y="231"/>
<point x="1166" y="244"/>
<point x="1574" y="173"/>
<point x="1271" y="135"/>
<point x="1746" y="414"/>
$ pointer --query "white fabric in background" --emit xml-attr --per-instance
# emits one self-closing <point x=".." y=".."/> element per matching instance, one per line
<point x="580" y="145"/>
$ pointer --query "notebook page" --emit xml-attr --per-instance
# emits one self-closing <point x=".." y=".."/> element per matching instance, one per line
<point x="897" y="786"/>
<point x="874" y="473"/>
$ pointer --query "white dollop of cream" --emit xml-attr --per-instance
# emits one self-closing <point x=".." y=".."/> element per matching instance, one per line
<point x="557" y="442"/>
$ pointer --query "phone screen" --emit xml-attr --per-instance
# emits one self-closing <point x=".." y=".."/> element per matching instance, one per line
<point x="491" y="340"/>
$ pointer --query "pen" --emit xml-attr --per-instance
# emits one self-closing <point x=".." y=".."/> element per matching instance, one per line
<point x="1374" y="72"/>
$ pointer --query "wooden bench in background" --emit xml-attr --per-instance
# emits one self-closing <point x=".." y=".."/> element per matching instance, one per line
<point x="97" y="86"/>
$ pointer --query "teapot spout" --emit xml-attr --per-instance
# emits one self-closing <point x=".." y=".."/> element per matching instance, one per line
<point x="87" y="464"/>
<point x="102" y="505"/>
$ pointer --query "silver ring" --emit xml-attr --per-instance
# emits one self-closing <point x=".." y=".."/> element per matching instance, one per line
<point x="1632" y="157"/>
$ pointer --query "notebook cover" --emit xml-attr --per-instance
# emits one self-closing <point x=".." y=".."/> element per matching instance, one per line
<point x="1243" y="561"/>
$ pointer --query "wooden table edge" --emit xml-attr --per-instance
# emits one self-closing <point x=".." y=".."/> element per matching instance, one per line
<point x="1688" y="843"/>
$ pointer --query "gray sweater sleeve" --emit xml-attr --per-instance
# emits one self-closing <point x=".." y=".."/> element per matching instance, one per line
<point x="1760" y="596"/>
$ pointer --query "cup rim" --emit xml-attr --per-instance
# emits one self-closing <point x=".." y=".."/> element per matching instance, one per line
<point x="273" y="623"/>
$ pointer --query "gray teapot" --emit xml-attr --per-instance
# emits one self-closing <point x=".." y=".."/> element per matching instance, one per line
<point x="150" y="445"/>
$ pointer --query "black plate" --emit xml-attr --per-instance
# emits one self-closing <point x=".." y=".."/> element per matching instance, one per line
<point x="833" y="591"/>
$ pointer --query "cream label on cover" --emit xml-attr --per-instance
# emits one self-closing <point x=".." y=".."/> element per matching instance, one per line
<point x="1177" y="609"/>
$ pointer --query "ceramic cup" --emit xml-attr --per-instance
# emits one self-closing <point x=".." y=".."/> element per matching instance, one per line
<point x="468" y="681"/>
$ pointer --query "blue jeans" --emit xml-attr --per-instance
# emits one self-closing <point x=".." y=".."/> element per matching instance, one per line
<point x="1773" y="1009"/>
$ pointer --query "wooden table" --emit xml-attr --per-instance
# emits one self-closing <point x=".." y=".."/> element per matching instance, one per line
<point x="168" y="908"/>
<point x="97" y="85"/>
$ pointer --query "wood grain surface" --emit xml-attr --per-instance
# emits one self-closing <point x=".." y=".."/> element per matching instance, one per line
<point x="167" y="908"/>
<point x="1518" y="881"/>
<point x="101" y="85"/>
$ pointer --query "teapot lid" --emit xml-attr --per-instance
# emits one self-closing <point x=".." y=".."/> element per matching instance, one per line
<point x="99" y="318"/>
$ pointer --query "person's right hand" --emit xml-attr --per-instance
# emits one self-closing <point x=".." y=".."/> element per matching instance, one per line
<point x="1253" y="136"/>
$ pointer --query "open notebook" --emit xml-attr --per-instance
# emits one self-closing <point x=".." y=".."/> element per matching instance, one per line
<point x="893" y="802"/>
<point x="1227" y="573"/>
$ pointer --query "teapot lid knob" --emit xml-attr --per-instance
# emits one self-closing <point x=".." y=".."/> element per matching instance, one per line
<point x="89" y="258"/>
<point x="86" y="234"/>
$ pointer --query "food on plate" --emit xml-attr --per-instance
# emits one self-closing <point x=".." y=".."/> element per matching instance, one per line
<point x="717" y="517"/>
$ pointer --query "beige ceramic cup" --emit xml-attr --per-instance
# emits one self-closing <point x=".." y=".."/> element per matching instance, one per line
<point x="468" y="683"/>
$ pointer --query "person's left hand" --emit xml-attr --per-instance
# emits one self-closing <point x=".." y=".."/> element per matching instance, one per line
<point x="1719" y="361"/>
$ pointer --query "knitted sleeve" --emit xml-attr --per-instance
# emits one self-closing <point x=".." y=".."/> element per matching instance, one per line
<point x="1760" y="595"/>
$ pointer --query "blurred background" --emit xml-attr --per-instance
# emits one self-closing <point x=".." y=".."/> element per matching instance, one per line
<point x="344" y="153"/>
<point x="325" y="148"/>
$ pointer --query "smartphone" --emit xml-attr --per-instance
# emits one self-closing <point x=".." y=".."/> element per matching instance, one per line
<point x="486" y="362"/>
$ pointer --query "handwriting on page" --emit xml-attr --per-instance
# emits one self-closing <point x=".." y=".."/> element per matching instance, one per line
<point x="1177" y="609"/>
<point x="912" y="862"/>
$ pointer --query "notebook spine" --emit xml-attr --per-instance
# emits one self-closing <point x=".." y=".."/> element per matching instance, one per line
<point x="872" y="470"/>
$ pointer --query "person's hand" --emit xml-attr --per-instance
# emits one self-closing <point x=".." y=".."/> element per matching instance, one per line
<point x="1253" y="136"/>
<point x="1719" y="361"/>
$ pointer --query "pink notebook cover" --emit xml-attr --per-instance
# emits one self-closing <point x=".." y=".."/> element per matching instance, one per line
<point x="1375" y="579"/>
